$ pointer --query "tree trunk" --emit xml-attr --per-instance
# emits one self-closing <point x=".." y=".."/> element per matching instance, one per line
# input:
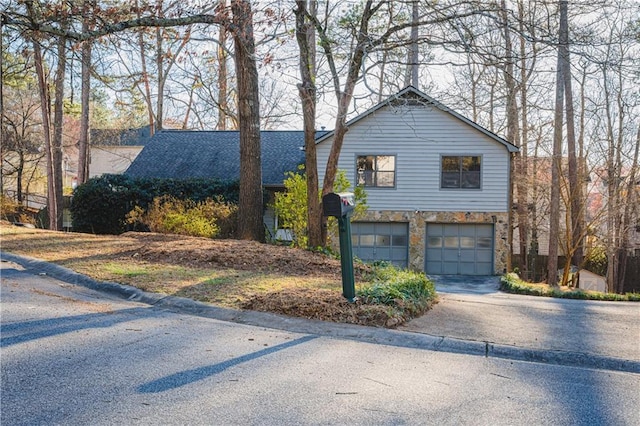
<point x="222" y="76"/>
<point x="250" y="210"/>
<point x="145" y="77"/>
<point x="612" y="193"/>
<point x="45" y="108"/>
<point x="575" y="185"/>
<point x="19" y="177"/>
<point x="52" y="204"/>
<point x="522" y="183"/>
<point x="58" y="117"/>
<point x="305" y="35"/>
<point x="412" y="74"/>
<point x="513" y="136"/>
<point x="83" y="143"/>
<point x="554" y="214"/>
<point x="2" y="136"/>
<point x="344" y="99"/>
<point x="630" y="211"/>
<point x="160" y="71"/>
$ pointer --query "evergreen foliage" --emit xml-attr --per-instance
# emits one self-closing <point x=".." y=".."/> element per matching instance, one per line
<point x="101" y="205"/>
<point x="510" y="283"/>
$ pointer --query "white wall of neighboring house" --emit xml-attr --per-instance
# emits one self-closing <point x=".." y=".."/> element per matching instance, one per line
<point x="593" y="282"/>
<point x="112" y="159"/>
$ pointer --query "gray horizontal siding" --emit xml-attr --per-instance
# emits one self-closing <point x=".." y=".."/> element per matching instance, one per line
<point x="418" y="136"/>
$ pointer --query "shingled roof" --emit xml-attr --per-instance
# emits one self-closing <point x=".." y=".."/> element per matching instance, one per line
<point x="181" y="154"/>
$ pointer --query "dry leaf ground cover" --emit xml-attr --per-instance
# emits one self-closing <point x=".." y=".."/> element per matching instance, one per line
<point x="230" y="273"/>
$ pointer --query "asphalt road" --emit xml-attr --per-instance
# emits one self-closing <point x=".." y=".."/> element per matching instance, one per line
<point x="73" y="356"/>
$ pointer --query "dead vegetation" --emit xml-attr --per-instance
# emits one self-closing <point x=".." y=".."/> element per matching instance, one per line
<point x="231" y="273"/>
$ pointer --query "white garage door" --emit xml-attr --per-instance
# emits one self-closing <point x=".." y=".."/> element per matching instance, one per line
<point x="381" y="241"/>
<point x="459" y="249"/>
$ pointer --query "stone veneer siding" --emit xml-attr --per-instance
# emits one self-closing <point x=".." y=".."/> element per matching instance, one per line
<point x="418" y="227"/>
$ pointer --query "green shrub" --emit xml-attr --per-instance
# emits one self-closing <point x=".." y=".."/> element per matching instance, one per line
<point x="189" y="223"/>
<point x="596" y="260"/>
<point x="511" y="283"/>
<point x="409" y="293"/>
<point x="291" y="205"/>
<point x="101" y="204"/>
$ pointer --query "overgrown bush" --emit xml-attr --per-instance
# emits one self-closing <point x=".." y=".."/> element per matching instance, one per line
<point x="172" y="216"/>
<point x="511" y="283"/>
<point x="169" y="215"/>
<point x="407" y="292"/>
<point x="291" y="205"/>
<point x="101" y="205"/>
<point x="8" y="208"/>
<point x="596" y="260"/>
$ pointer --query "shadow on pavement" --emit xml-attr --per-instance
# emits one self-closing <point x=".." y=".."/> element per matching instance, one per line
<point x="38" y="329"/>
<point x="186" y="377"/>
<point x="469" y="284"/>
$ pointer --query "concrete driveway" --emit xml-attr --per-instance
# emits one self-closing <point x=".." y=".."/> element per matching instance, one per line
<point x="466" y="284"/>
<point x="472" y="308"/>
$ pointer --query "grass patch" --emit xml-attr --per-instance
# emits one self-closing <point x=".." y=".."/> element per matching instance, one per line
<point x="125" y="270"/>
<point x="234" y="289"/>
<point x="511" y="283"/>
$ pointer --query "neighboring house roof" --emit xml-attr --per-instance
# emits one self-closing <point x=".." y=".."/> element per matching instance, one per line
<point x="411" y="93"/>
<point x="120" y="137"/>
<point x="182" y="154"/>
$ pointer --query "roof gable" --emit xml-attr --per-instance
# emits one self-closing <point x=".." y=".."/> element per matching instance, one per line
<point x="412" y="96"/>
<point x="180" y="154"/>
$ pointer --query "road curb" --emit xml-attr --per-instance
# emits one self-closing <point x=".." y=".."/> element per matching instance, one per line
<point x="328" y="329"/>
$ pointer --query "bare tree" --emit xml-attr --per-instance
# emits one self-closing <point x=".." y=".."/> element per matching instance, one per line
<point x="83" y="143"/>
<point x="305" y="35"/>
<point x="223" y="108"/>
<point x="250" y="205"/>
<point x="575" y="184"/>
<point x="556" y="168"/>
<point x="363" y="42"/>
<point x="21" y="128"/>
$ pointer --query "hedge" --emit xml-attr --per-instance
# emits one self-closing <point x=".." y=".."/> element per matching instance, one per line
<point x="100" y="205"/>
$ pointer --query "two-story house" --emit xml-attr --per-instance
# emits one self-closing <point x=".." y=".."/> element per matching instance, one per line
<point x="437" y="186"/>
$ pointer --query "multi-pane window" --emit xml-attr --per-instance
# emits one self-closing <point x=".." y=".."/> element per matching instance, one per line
<point x="461" y="172"/>
<point x="376" y="171"/>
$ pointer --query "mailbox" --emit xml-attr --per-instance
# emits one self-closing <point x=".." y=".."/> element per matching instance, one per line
<point x="338" y="205"/>
<point x="341" y="206"/>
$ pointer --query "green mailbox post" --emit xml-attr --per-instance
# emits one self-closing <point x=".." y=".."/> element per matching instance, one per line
<point x="340" y="206"/>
